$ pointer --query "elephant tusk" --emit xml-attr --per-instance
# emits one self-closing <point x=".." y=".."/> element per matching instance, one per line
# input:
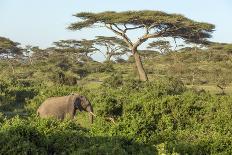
<point x="92" y="114"/>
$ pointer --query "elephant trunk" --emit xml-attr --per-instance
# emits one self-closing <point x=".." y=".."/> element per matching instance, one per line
<point x="91" y="114"/>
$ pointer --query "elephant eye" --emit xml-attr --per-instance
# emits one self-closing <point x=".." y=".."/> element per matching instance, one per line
<point x="82" y="97"/>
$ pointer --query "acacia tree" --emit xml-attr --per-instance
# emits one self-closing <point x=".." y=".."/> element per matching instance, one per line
<point x="113" y="46"/>
<point x="38" y="53"/>
<point x="156" y="24"/>
<point x="81" y="48"/>
<point x="9" y="48"/>
<point x="10" y="51"/>
<point x="161" y="45"/>
<point x="28" y="52"/>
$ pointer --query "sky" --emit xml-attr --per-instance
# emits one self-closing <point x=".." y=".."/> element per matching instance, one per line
<point x="41" y="22"/>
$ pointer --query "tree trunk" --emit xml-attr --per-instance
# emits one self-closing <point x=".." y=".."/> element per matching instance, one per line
<point x="11" y="66"/>
<point x="108" y="57"/>
<point x="12" y="69"/>
<point x="139" y="65"/>
<point x="30" y="60"/>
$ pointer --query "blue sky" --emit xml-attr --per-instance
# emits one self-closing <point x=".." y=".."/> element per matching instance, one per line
<point x="41" y="22"/>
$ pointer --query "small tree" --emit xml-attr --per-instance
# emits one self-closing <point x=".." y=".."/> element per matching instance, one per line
<point x="28" y="53"/>
<point x="80" y="48"/>
<point x="113" y="46"/>
<point x="10" y="51"/>
<point x="156" y="24"/>
<point x="162" y="46"/>
<point x="41" y="54"/>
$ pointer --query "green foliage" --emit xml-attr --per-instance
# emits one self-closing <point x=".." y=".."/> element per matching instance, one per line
<point x="79" y="47"/>
<point x="13" y="93"/>
<point x="9" y="47"/>
<point x="37" y="136"/>
<point x="150" y="117"/>
<point x="113" y="46"/>
<point x="161" y="45"/>
<point x="185" y="121"/>
<point x="106" y="67"/>
<point x="178" y="25"/>
<point x="114" y="81"/>
<point x="157" y="25"/>
<point x="133" y="117"/>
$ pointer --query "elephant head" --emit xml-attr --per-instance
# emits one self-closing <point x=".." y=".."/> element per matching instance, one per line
<point x="83" y="104"/>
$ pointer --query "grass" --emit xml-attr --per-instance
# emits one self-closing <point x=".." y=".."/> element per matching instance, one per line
<point x="212" y="88"/>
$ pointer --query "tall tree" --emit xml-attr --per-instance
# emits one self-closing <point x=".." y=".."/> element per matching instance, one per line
<point x="156" y="24"/>
<point x="113" y="46"/>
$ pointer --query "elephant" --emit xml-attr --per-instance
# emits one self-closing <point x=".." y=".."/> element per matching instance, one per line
<point x="61" y="107"/>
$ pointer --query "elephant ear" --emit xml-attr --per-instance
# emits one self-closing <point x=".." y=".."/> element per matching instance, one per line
<point x="77" y="103"/>
<point x="72" y="102"/>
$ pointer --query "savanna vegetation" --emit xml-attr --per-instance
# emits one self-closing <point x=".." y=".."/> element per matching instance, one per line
<point x="171" y="97"/>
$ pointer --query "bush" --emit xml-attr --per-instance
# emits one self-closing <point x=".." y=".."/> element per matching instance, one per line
<point x="95" y="67"/>
<point x="47" y="136"/>
<point x="13" y="94"/>
<point x="165" y="112"/>
<point x="115" y="80"/>
<point x="161" y="113"/>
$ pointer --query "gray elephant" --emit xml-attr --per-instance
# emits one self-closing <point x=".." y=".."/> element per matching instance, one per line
<point x="61" y="107"/>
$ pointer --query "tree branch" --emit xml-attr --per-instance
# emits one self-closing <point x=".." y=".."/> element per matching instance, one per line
<point x="117" y="48"/>
<point x="102" y="53"/>
<point x="147" y="36"/>
<point x="119" y="29"/>
<point x="123" y="35"/>
<point x="133" y="28"/>
<point x="152" y="26"/>
<point x="147" y="30"/>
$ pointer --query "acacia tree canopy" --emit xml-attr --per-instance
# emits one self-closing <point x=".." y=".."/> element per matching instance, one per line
<point x="76" y="46"/>
<point x="9" y="47"/>
<point x="156" y="24"/>
<point x="161" y="45"/>
<point x="114" y="46"/>
<point x="163" y="24"/>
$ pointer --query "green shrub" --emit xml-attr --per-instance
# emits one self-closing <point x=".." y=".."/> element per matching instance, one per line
<point x="115" y="80"/>
<point x="47" y="136"/>
<point x="164" y="112"/>
<point x="161" y="113"/>
<point x="13" y="94"/>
